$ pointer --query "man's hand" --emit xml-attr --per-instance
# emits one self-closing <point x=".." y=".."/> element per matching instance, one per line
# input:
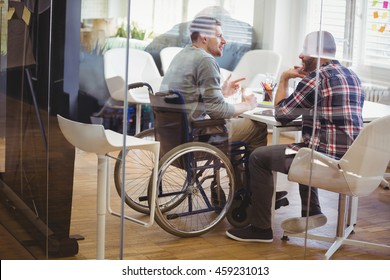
<point x="296" y="72"/>
<point x="282" y="92"/>
<point x="231" y="87"/>
<point x="250" y="100"/>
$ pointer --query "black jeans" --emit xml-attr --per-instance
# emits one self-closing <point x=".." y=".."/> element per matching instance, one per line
<point x="262" y="162"/>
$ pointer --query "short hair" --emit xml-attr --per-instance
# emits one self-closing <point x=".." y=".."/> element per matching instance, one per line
<point x="320" y="44"/>
<point x="204" y="25"/>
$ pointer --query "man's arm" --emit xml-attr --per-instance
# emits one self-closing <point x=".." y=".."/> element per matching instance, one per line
<point x="231" y="87"/>
<point x="282" y="92"/>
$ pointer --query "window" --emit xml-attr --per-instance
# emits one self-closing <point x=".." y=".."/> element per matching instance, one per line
<point x="377" y="37"/>
<point x="361" y="29"/>
<point x="168" y="13"/>
<point x="161" y="15"/>
<point x="330" y="17"/>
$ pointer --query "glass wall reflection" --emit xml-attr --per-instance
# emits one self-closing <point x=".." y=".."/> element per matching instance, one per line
<point x="53" y="62"/>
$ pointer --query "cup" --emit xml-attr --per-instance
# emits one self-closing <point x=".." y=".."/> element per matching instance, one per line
<point x="269" y="81"/>
<point x="268" y="95"/>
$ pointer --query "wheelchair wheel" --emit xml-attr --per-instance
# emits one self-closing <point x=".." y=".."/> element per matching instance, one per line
<point x="195" y="188"/>
<point x="239" y="213"/>
<point x="138" y="173"/>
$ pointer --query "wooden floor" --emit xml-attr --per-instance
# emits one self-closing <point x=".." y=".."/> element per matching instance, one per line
<point x="155" y="244"/>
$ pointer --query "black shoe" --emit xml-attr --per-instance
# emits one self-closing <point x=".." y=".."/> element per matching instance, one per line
<point x="281" y="202"/>
<point x="218" y="197"/>
<point x="251" y="234"/>
<point x="280" y="195"/>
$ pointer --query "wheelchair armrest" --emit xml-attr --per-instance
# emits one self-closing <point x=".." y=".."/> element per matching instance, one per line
<point x="208" y="123"/>
<point x="213" y="131"/>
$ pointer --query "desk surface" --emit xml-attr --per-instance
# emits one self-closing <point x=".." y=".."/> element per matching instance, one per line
<point x="371" y="111"/>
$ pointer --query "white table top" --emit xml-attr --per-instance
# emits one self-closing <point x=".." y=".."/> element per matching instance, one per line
<point x="371" y="111"/>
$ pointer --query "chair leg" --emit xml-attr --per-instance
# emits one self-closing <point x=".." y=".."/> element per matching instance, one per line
<point x="148" y="223"/>
<point x="101" y="206"/>
<point x="335" y="246"/>
<point x="138" y="114"/>
<point x="275" y="178"/>
<point x="343" y="231"/>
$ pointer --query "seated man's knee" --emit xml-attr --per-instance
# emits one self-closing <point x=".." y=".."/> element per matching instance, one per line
<point x="260" y="156"/>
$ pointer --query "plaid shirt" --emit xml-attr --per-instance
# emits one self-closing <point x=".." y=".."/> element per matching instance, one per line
<point x="339" y="112"/>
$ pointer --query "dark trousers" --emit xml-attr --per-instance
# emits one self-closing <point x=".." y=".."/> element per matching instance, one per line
<point x="262" y="162"/>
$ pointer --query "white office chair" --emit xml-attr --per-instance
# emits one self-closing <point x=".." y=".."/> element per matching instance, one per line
<point x="166" y="56"/>
<point x="256" y="62"/>
<point x="142" y="68"/>
<point x="93" y="138"/>
<point x="358" y="173"/>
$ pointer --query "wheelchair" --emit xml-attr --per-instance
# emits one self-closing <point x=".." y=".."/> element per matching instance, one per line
<point x="196" y="187"/>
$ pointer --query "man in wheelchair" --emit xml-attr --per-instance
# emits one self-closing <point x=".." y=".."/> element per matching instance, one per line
<point x="195" y="73"/>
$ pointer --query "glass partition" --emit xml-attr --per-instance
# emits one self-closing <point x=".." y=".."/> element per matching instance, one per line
<point x="36" y="160"/>
<point x="71" y="58"/>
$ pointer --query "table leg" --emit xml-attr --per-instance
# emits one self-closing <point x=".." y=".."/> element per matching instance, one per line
<point x="275" y="135"/>
<point x="275" y="141"/>
<point x="138" y="116"/>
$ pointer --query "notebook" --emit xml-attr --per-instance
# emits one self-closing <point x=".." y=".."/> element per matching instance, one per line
<point x="266" y="104"/>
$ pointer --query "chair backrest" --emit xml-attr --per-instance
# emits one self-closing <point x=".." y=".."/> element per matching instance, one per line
<point x="87" y="137"/>
<point x="142" y="68"/>
<point x="256" y="62"/>
<point x="170" y="120"/>
<point x="166" y="55"/>
<point x="366" y="160"/>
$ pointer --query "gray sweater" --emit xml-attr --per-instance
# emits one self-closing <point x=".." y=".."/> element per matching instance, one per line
<point x="196" y="75"/>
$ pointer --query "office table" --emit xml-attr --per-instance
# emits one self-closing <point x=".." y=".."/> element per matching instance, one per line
<point x="371" y="111"/>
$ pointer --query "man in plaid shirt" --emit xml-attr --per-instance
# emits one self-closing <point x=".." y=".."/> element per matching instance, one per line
<point x="330" y="100"/>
